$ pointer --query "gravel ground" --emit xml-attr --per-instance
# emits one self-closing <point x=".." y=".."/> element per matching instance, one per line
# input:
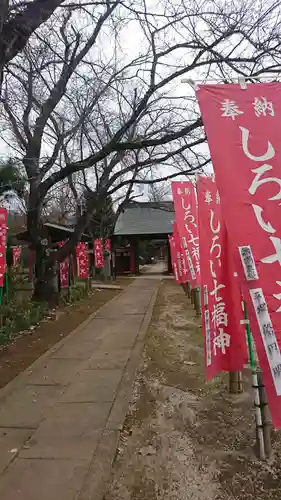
<point x="184" y="439"/>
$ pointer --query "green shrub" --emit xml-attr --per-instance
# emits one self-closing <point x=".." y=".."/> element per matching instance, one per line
<point x="77" y="292"/>
<point x="16" y="318"/>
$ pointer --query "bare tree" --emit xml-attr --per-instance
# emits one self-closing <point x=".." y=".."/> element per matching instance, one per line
<point x="60" y="206"/>
<point x="159" y="192"/>
<point x="18" y="21"/>
<point x="78" y="105"/>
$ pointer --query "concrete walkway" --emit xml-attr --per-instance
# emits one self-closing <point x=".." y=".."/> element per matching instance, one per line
<point x="60" y="420"/>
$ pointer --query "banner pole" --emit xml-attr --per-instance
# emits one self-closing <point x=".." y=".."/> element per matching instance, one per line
<point x="255" y="385"/>
<point x="265" y="415"/>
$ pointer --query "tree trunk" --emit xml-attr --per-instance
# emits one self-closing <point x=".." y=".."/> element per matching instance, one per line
<point x="47" y="260"/>
<point x="46" y="278"/>
<point x="46" y="283"/>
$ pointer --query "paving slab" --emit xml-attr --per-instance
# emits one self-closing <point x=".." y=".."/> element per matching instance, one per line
<point x="146" y="282"/>
<point x="109" y="359"/>
<point x="76" y="349"/>
<point x="100" y="328"/>
<point x="11" y="441"/>
<point x="54" y="372"/>
<point x="125" y="339"/>
<point x="72" y="430"/>
<point x="61" y="418"/>
<point x="92" y="386"/>
<point x="27" y="407"/>
<point x="43" y="479"/>
<point x="128" y="305"/>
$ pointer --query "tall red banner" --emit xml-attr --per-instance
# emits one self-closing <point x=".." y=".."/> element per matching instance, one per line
<point x="243" y="131"/>
<point x="225" y="346"/>
<point x="99" y="261"/>
<point x="3" y="242"/>
<point x="180" y="254"/>
<point x="174" y="259"/>
<point x="82" y="257"/>
<point x="64" y="271"/>
<point x="16" y="251"/>
<point x="186" y="217"/>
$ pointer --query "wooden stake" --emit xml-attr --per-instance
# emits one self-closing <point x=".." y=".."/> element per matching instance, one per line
<point x="197" y="302"/>
<point x="235" y="383"/>
<point x="192" y="296"/>
<point x="265" y="415"/>
<point x="186" y="289"/>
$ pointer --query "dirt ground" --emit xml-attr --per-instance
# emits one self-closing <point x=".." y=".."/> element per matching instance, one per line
<point x="184" y="439"/>
<point x="28" y="346"/>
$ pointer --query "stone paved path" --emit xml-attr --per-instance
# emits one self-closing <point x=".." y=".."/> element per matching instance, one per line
<point x="60" y="420"/>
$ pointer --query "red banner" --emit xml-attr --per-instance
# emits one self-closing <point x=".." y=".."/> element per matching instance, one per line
<point x="82" y="259"/>
<point x="31" y="262"/>
<point x="247" y="165"/>
<point x="64" y="270"/>
<point x="225" y="346"/>
<point x="16" y="255"/>
<point x="99" y="262"/>
<point x="180" y="255"/>
<point x="107" y="245"/>
<point x="174" y="259"/>
<point x="3" y="242"/>
<point x="186" y="217"/>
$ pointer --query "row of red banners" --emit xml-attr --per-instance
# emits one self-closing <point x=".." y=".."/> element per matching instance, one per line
<point x="82" y="260"/>
<point x="64" y="270"/>
<point x="236" y="219"/>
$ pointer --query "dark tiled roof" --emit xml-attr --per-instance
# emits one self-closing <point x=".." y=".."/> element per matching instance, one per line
<point x="146" y="218"/>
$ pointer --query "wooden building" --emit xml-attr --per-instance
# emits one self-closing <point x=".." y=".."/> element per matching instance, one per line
<point x="139" y="222"/>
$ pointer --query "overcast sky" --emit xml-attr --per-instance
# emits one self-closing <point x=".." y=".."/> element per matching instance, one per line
<point x="132" y="43"/>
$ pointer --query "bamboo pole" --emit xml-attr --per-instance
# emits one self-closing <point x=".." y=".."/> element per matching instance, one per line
<point x="265" y="416"/>
<point x="255" y="385"/>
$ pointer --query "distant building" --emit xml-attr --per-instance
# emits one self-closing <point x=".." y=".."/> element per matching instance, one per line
<point x="141" y="222"/>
